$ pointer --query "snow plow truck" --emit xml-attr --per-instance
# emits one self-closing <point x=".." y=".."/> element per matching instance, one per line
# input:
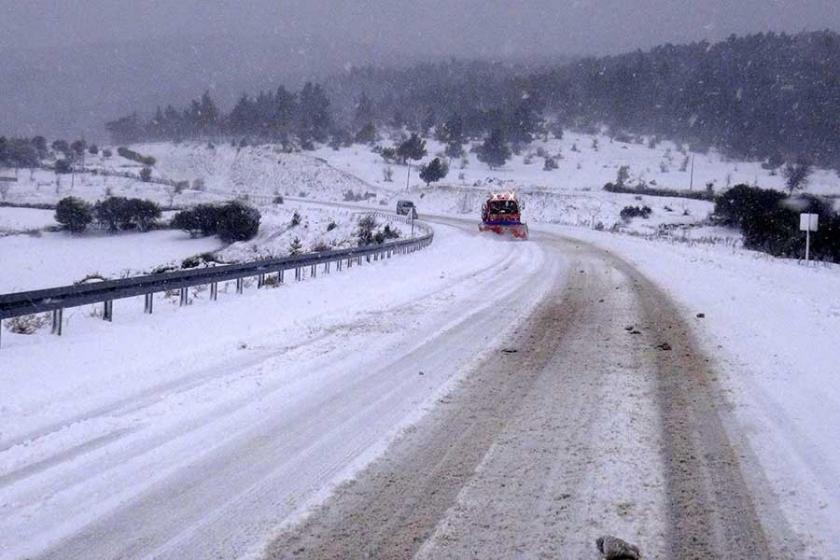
<point x="501" y="214"/>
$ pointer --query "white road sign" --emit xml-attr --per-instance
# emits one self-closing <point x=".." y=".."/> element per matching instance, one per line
<point x="808" y="222"/>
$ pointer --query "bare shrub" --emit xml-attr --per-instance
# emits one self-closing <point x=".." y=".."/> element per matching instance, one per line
<point x="27" y="324"/>
<point x="321" y="246"/>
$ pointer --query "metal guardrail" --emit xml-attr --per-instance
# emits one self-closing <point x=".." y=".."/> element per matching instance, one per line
<point x="57" y="299"/>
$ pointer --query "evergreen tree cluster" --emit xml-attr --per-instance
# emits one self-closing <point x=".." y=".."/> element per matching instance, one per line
<point x="769" y="221"/>
<point x="21" y="152"/>
<point x="232" y="221"/>
<point x="276" y="115"/>
<point x="763" y="96"/>
<point x="114" y="214"/>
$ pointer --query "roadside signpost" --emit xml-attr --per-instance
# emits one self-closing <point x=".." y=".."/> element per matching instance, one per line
<point x="808" y="223"/>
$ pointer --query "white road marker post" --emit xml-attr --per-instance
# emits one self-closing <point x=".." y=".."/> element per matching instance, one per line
<point x="808" y="223"/>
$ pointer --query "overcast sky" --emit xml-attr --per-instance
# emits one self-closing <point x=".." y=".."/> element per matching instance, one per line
<point x="466" y="27"/>
<point x="67" y="66"/>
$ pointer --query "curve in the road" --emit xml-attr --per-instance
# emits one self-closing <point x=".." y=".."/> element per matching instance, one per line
<point x="601" y="416"/>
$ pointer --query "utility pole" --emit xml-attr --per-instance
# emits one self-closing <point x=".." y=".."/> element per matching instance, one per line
<point x="691" y="180"/>
<point x="408" y="175"/>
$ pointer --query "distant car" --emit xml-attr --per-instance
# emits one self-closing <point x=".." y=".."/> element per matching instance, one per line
<point x="406" y="208"/>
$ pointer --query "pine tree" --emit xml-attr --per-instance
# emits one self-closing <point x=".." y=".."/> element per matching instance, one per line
<point x="295" y="247"/>
<point x="522" y="124"/>
<point x="367" y="134"/>
<point x="241" y="119"/>
<point x="494" y="151"/>
<point x="285" y="107"/>
<point x="413" y="148"/>
<point x="428" y="121"/>
<point x="172" y="125"/>
<point x="125" y="130"/>
<point x="73" y="213"/>
<point x="434" y="171"/>
<point x="796" y="174"/>
<point x="363" y="113"/>
<point x="313" y="113"/>
<point x="451" y="131"/>
<point x="454" y="150"/>
<point x="207" y="118"/>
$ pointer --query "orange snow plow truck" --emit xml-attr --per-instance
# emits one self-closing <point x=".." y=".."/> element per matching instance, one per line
<point x="501" y="214"/>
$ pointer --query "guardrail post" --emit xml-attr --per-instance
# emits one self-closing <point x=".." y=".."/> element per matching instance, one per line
<point x="214" y="291"/>
<point x="148" y="303"/>
<point x="327" y="267"/>
<point x="260" y="281"/>
<point x="313" y="271"/>
<point x="280" y="276"/>
<point x="297" y="274"/>
<point x="57" y="320"/>
<point x="240" y="285"/>
<point x="184" y="297"/>
<point x="108" y="311"/>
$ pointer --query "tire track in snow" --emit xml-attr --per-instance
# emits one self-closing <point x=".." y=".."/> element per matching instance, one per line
<point x="153" y="394"/>
<point x="526" y="459"/>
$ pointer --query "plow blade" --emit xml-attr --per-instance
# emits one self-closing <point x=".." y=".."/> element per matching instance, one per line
<point x="515" y="231"/>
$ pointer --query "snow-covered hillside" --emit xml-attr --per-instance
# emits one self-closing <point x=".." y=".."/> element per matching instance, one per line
<point x="318" y="229"/>
<point x="572" y="194"/>
<point x="585" y="162"/>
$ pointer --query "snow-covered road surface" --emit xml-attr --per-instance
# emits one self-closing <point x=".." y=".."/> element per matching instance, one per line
<point x="478" y="399"/>
<point x="194" y="433"/>
<point x="577" y="427"/>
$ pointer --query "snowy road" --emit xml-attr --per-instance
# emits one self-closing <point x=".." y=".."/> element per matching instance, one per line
<point x="195" y="434"/>
<point x="598" y="416"/>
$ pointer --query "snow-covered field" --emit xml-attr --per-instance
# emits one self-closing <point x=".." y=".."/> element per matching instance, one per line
<point x="23" y="219"/>
<point x="30" y="262"/>
<point x="45" y="187"/>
